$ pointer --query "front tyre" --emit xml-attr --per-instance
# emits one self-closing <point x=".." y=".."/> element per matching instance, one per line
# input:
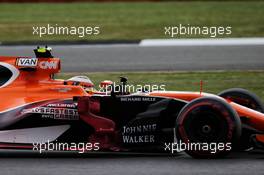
<point x="247" y="99"/>
<point x="244" y="98"/>
<point x="209" y="127"/>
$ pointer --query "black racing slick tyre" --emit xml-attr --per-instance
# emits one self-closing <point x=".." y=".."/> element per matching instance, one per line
<point x="208" y="127"/>
<point x="243" y="97"/>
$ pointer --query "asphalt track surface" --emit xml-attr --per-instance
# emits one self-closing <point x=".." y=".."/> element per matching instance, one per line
<point x="106" y="164"/>
<point x="136" y="58"/>
<point x="99" y="58"/>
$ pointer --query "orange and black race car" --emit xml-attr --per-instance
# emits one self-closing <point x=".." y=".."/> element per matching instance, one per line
<point x="42" y="113"/>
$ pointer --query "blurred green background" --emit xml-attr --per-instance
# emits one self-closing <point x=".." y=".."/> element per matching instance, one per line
<point x="143" y="20"/>
<point x="213" y="82"/>
<point x="129" y="20"/>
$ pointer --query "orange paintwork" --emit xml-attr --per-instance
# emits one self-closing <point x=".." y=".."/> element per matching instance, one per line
<point x="255" y="118"/>
<point x="36" y="85"/>
<point x="260" y="138"/>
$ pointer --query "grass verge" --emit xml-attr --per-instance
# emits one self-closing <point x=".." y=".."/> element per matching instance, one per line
<point x="129" y="21"/>
<point x="214" y="82"/>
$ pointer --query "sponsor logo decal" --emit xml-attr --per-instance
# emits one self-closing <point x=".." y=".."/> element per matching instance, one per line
<point x="27" y="62"/>
<point x="35" y="62"/>
<point x="136" y="99"/>
<point x="139" y="134"/>
<point x="48" y="64"/>
<point x="55" y="111"/>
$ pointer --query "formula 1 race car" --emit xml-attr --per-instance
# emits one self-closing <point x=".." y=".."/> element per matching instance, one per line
<point x="40" y="112"/>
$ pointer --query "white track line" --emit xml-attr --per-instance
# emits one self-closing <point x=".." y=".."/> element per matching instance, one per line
<point x="163" y="42"/>
<point x="202" y="42"/>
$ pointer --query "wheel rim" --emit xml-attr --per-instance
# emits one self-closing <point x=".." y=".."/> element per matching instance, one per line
<point x="206" y="124"/>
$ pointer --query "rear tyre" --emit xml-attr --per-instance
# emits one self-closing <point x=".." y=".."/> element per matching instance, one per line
<point x="247" y="99"/>
<point x="209" y="127"/>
